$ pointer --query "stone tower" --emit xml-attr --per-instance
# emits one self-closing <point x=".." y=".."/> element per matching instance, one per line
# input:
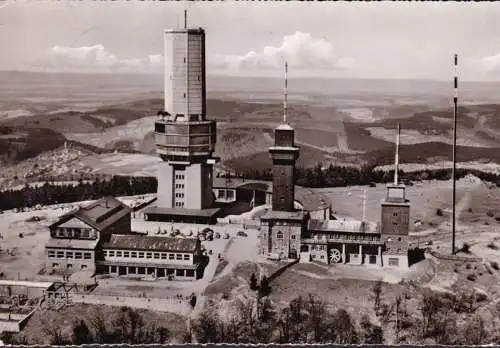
<point x="395" y="220"/>
<point x="283" y="225"/>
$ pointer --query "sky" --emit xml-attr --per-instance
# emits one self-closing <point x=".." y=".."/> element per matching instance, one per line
<point x="395" y="40"/>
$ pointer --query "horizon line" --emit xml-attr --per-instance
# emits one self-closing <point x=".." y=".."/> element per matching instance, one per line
<point x="248" y="76"/>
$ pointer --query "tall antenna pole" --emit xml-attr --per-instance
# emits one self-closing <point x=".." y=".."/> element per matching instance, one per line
<point x="364" y="205"/>
<point x="396" y="157"/>
<point x="453" y="172"/>
<point x="185" y="18"/>
<point x="285" y="93"/>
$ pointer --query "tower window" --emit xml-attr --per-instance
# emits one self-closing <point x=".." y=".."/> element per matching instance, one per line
<point x="279" y="235"/>
<point x="395" y="214"/>
<point x="293" y="236"/>
<point x="184" y="59"/>
<point x="184" y="95"/>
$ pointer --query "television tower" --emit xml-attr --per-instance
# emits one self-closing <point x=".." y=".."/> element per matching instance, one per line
<point x="453" y="172"/>
<point x="184" y="138"/>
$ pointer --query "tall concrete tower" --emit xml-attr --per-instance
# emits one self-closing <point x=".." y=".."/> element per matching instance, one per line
<point x="283" y="225"/>
<point x="395" y="219"/>
<point x="185" y="139"/>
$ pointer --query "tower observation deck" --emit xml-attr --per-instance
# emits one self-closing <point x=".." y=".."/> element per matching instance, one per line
<point x="184" y="138"/>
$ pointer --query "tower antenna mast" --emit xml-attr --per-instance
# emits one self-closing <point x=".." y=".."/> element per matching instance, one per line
<point x="285" y="93"/>
<point x="396" y="157"/>
<point x="364" y="205"/>
<point x="453" y="172"/>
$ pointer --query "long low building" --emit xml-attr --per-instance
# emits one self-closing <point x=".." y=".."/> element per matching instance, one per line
<point x="156" y="256"/>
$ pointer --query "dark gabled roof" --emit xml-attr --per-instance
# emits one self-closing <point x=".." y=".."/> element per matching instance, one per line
<point x="284" y="215"/>
<point x="67" y="243"/>
<point x="151" y="243"/>
<point x="181" y="211"/>
<point x="310" y="199"/>
<point x="99" y="214"/>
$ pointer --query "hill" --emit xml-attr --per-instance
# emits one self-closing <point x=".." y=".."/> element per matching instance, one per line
<point x="19" y="143"/>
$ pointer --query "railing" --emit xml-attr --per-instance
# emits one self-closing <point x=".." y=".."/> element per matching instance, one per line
<point x="342" y="240"/>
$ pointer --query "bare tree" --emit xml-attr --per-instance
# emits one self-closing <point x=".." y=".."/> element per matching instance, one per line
<point x="207" y="327"/>
<point x="475" y="332"/>
<point x="377" y="291"/>
<point x="317" y="318"/>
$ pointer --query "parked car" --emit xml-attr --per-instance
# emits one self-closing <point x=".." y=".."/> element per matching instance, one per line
<point x="226" y="235"/>
<point x="217" y="235"/>
<point x="241" y="234"/>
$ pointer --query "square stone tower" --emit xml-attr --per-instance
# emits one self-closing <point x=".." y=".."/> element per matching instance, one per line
<point x="395" y="220"/>
<point x="282" y="227"/>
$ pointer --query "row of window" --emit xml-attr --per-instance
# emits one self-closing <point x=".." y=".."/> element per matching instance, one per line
<point x="147" y="255"/>
<point x="74" y="232"/>
<point x="179" y="186"/>
<point x="228" y="194"/>
<point x="279" y="235"/>
<point x="179" y="195"/>
<point x="61" y="254"/>
<point x="179" y="176"/>
<point x="364" y="237"/>
<point x="179" y="204"/>
<point x="393" y="261"/>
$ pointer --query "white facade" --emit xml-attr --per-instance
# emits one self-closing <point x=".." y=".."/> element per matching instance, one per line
<point x="185" y="74"/>
<point x="147" y="257"/>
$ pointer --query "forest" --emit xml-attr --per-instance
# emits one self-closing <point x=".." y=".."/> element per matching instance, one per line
<point x="332" y="176"/>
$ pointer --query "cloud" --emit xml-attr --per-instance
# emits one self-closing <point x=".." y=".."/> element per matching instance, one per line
<point x="300" y="50"/>
<point x="96" y="59"/>
<point x="490" y="64"/>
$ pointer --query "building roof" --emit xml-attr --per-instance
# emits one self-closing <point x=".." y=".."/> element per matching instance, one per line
<point x="99" y="214"/>
<point x="233" y="183"/>
<point x="68" y="243"/>
<point x="284" y="126"/>
<point x="284" y="215"/>
<point x="26" y="283"/>
<point x="181" y="212"/>
<point x="352" y="226"/>
<point x="151" y="243"/>
<point x="311" y="200"/>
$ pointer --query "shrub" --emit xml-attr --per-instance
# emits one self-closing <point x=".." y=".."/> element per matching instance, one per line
<point x="494" y="265"/>
<point x="480" y="297"/>
<point x="439" y="212"/>
<point x="492" y="245"/>
<point x="490" y="214"/>
<point x="472" y="277"/>
<point x="465" y="248"/>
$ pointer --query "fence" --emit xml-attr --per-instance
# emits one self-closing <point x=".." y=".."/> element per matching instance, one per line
<point x="144" y="204"/>
<point x="173" y="305"/>
<point x="280" y="270"/>
<point x="455" y="257"/>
